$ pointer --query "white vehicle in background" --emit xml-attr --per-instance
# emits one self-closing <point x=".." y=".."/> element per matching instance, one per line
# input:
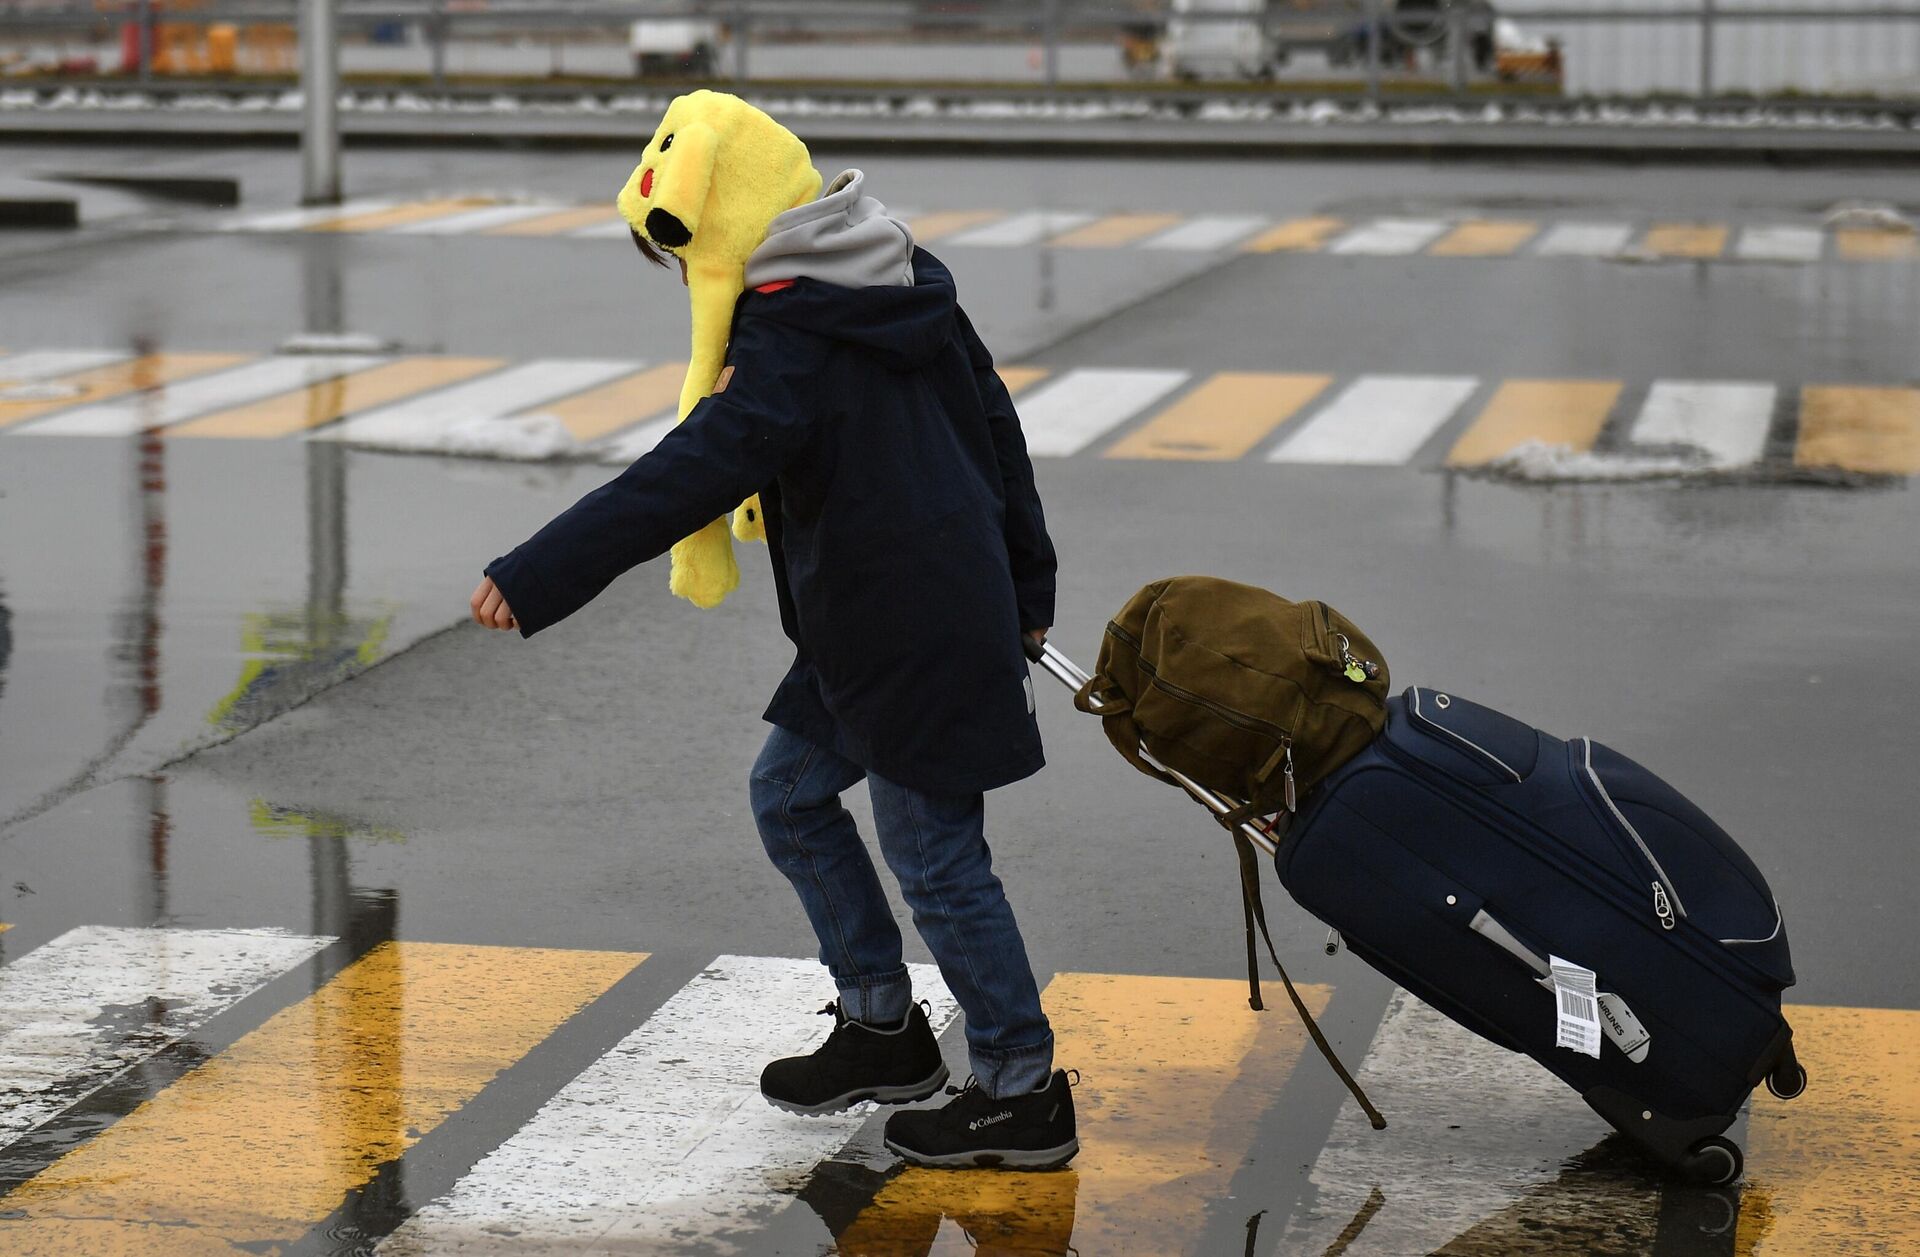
<point x="1218" y="47"/>
<point x="674" y="47"/>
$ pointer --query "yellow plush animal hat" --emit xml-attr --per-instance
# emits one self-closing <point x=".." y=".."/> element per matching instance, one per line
<point x="716" y="174"/>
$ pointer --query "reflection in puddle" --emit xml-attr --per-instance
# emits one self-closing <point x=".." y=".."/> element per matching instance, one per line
<point x="916" y="1213"/>
<point x="272" y="820"/>
<point x="292" y="655"/>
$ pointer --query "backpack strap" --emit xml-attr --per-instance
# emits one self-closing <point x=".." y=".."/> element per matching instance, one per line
<point x="1100" y="698"/>
<point x="1256" y="913"/>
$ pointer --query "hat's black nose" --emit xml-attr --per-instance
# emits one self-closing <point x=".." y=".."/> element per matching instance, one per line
<point x="667" y="229"/>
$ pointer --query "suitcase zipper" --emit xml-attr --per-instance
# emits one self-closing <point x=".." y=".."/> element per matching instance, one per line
<point x="1666" y="897"/>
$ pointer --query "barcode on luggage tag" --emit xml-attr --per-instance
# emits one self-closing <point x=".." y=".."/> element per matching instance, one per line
<point x="1579" y="1020"/>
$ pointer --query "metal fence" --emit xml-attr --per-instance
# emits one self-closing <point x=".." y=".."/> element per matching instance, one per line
<point x="1376" y="48"/>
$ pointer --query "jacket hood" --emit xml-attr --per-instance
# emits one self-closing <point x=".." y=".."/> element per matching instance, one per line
<point x="845" y="237"/>
<point x="902" y="324"/>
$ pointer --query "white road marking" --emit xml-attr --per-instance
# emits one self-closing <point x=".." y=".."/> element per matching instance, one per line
<point x="34" y="365"/>
<point x="1475" y="1150"/>
<point x="1071" y="411"/>
<point x="1378" y="419"/>
<point x="297" y="219"/>
<point x="420" y="423"/>
<point x="665" y="1143"/>
<point x="1598" y="240"/>
<point x="1390" y="237"/>
<point x="97" y="1001"/>
<point x="172" y="403"/>
<point x="614" y="230"/>
<point x="1021" y="229"/>
<point x="473" y="220"/>
<point x="1780" y="244"/>
<point x="1726" y="422"/>
<point x="1206" y="231"/>
<point x="625" y="447"/>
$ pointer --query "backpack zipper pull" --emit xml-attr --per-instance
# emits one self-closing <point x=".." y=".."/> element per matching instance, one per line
<point x="1662" y="907"/>
<point x="1288" y="771"/>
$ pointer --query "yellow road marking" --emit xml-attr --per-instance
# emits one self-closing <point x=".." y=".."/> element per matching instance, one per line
<point x="5" y="926"/>
<point x="1553" y="412"/>
<point x="1686" y="240"/>
<point x="1298" y="235"/>
<point x="1860" y="429"/>
<point x="105" y="383"/>
<point x="1224" y="418"/>
<point x="933" y="226"/>
<point x="1020" y="379"/>
<point x="401" y="215"/>
<point x="620" y="403"/>
<point x="1484" y="238"/>
<point x="1873" y="243"/>
<point x="1833" y="1171"/>
<point x="330" y="399"/>
<point x="558" y="222"/>
<point x="267" y="1138"/>
<point x="1115" y="230"/>
<point x="1178" y="1074"/>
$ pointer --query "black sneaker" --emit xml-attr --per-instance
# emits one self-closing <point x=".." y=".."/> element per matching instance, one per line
<point x="859" y="1062"/>
<point x="1029" y="1132"/>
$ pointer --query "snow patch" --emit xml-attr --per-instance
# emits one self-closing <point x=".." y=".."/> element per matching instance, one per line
<point x="531" y="438"/>
<point x="1873" y="215"/>
<point x="1538" y="462"/>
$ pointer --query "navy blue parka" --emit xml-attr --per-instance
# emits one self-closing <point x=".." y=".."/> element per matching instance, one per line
<point x="909" y="548"/>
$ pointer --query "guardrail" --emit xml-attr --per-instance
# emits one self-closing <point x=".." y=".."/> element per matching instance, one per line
<point x="1698" y="48"/>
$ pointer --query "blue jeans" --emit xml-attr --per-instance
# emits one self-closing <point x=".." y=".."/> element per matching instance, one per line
<point x="937" y="848"/>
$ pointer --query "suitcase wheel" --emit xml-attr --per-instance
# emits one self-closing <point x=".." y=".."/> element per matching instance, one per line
<point x="1713" y="1162"/>
<point x="1788" y="1080"/>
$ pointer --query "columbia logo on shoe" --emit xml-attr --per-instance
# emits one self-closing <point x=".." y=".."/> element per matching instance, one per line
<point x="980" y="1122"/>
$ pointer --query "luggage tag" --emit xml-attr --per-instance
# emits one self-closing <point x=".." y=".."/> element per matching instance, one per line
<point x="1615" y="1019"/>
<point x="1573" y="992"/>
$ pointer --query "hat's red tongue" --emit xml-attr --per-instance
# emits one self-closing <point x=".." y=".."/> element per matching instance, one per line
<point x="646" y="183"/>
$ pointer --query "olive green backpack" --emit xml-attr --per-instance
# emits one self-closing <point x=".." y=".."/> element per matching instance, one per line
<point x="1251" y="696"/>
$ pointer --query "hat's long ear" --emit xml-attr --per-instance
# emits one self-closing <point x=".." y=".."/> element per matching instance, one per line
<point x="686" y="175"/>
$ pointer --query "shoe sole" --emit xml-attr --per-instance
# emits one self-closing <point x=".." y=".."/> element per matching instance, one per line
<point x="879" y="1095"/>
<point x="992" y="1158"/>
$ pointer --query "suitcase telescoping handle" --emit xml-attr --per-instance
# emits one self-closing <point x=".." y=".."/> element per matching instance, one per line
<point x="1074" y="677"/>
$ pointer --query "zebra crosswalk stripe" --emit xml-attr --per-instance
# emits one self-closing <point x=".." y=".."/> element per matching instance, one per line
<point x="1584" y="240"/>
<point x="1153" y="1052"/>
<point x="1476" y="1134"/>
<point x="265" y="377"/>
<point x="1377" y="419"/>
<point x="470" y="221"/>
<point x="1021" y="229"/>
<point x="1568" y="413"/>
<point x="1206" y="231"/>
<point x="1389" y="237"/>
<point x="65" y="1028"/>
<point x="666" y="1140"/>
<point x="1075" y="409"/>
<point x="322" y="403"/>
<point x="1780" y="244"/>
<point x="301" y="219"/>
<point x="262" y="1142"/>
<point x="115" y="380"/>
<point x="34" y="366"/>
<point x="1726" y="422"/>
<point x="421" y="423"/>
<point x="1874" y="430"/>
<point x="1485" y="238"/>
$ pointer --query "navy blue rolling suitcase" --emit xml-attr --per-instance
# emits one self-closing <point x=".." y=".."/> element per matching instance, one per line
<point x="1463" y="849"/>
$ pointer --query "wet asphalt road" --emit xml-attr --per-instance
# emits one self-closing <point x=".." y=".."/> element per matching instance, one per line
<point x="1753" y="641"/>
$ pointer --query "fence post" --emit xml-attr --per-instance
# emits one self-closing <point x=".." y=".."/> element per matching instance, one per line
<point x="1456" y="48"/>
<point x="1372" y="9"/>
<point x="319" y="104"/>
<point x="1050" y="17"/>
<point x="741" y="24"/>
<point x="1706" y="48"/>
<point x="145" y="46"/>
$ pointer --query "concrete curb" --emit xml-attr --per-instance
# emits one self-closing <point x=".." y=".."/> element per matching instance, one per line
<point x="1088" y="137"/>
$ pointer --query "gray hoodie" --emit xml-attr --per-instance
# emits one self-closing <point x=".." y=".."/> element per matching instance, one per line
<point x="844" y="238"/>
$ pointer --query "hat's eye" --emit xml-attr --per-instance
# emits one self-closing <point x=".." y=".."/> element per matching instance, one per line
<point x="666" y="143"/>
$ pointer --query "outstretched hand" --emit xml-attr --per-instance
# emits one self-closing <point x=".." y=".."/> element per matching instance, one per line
<point x="489" y="607"/>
